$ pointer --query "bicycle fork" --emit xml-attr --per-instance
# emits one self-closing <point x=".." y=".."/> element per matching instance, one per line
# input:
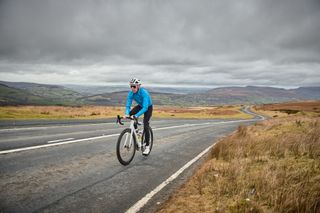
<point x="132" y="134"/>
<point x="125" y="144"/>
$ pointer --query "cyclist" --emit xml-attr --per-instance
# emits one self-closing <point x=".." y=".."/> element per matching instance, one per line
<point x="143" y="99"/>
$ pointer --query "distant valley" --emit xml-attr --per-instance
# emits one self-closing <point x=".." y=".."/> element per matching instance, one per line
<point x="21" y="93"/>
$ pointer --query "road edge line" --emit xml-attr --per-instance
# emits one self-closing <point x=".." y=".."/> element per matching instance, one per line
<point x="143" y="201"/>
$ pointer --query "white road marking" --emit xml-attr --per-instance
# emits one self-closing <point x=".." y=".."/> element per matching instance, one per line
<point x="73" y="141"/>
<point x="204" y="124"/>
<point x="143" y="201"/>
<point x="60" y="140"/>
<point x="112" y="135"/>
<point x="55" y="144"/>
<point x="22" y="128"/>
<point x="48" y="127"/>
<point x="173" y="127"/>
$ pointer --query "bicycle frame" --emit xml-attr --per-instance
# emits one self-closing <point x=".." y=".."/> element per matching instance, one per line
<point x="133" y="132"/>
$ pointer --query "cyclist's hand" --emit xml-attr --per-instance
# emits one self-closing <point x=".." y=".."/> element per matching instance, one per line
<point x="135" y="118"/>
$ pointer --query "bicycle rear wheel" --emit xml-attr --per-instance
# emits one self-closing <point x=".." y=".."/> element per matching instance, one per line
<point x="125" y="149"/>
<point x="150" y="140"/>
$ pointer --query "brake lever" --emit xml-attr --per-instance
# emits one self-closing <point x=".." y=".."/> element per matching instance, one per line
<point x="119" y="120"/>
<point x="136" y="120"/>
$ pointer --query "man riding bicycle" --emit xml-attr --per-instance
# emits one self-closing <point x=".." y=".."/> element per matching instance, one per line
<point x="143" y="99"/>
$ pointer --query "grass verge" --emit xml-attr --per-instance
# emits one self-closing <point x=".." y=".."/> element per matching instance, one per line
<point x="310" y="108"/>
<point x="272" y="166"/>
<point x="98" y="112"/>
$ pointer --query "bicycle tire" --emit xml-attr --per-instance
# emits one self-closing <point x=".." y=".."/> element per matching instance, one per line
<point x="150" y="141"/>
<point x="120" y="148"/>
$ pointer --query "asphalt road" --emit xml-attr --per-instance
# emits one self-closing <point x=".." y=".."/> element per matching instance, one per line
<point x="74" y="168"/>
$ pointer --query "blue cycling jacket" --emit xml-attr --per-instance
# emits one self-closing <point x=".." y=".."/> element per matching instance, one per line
<point x="142" y="97"/>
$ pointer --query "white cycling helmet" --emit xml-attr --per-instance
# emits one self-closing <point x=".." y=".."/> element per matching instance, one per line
<point x="135" y="81"/>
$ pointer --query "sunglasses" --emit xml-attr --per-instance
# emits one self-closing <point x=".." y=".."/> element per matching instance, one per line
<point x="133" y="86"/>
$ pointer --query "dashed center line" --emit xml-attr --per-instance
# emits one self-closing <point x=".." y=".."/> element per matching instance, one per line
<point x="55" y="144"/>
<point x="60" y="140"/>
<point x="71" y="140"/>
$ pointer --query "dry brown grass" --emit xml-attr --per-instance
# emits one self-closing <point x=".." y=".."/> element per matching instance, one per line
<point x="289" y="108"/>
<point x="309" y="106"/>
<point x="96" y="112"/>
<point x="59" y="112"/>
<point x="273" y="166"/>
<point x="200" y="112"/>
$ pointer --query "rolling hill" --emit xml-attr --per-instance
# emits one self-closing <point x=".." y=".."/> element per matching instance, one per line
<point x="218" y="96"/>
<point x="12" y="93"/>
<point x="93" y="90"/>
<point x="247" y="95"/>
<point x="13" y="96"/>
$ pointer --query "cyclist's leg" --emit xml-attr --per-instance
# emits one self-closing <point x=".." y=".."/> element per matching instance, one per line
<point x="146" y="119"/>
<point x="134" y="111"/>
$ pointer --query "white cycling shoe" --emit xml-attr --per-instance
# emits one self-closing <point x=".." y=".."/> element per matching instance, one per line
<point x="146" y="150"/>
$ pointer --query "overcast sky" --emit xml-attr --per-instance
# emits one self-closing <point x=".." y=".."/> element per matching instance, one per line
<point x="162" y="42"/>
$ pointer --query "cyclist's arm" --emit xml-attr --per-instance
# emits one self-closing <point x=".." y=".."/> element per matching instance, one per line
<point x="129" y="102"/>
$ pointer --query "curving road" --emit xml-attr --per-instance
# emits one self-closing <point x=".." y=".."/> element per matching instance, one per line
<point x="73" y="167"/>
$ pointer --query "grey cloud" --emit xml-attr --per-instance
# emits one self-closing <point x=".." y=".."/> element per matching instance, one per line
<point x="165" y="42"/>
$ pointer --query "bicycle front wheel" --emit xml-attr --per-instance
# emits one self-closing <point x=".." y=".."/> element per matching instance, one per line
<point x="126" y="147"/>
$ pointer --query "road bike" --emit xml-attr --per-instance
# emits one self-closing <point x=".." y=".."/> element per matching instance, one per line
<point x="132" y="139"/>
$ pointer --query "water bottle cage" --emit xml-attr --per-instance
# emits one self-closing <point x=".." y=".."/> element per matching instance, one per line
<point x="139" y="132"/>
